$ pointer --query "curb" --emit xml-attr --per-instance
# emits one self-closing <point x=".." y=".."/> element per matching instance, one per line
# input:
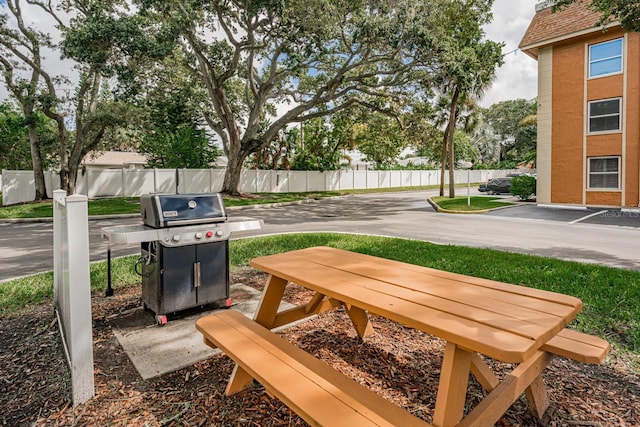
<point x="450" y="211"/>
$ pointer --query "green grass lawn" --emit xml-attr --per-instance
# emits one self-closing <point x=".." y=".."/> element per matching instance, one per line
<point x="119" y="205"/>
<point x="610" y="295"/>
<point x="478" y="203"/>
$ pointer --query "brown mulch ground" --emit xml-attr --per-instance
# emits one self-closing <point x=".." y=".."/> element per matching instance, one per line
<point x="399" y="363"/>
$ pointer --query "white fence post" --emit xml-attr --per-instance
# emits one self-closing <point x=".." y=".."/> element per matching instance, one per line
<point x="72" y="289"/>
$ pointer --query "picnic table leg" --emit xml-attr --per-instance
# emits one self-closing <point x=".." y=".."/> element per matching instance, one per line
<point x="452" y="389"/>
<point x="360" y="320"/>
<point x="483" y="373"/>
<point x="270" y="301"/>
<point x="265" y="315"/>
<point x="537" y="397"/>
<point x="511" y="387"/>
<point x="238" y="381"/>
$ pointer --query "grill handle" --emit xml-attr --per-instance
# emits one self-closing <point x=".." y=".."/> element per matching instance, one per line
<point x="196" y="275"/>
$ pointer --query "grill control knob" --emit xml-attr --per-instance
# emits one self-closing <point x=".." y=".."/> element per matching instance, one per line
<point x="176" y="238"/>
<point x="219" y="233"/>
<point x="209" y="233"/>
<point x="198" y="235"/>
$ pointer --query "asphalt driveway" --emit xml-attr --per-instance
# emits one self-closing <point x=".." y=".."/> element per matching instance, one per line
<point x="607" y="238"/>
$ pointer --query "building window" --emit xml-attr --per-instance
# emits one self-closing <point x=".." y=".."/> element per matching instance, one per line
<point x="604" y="172"/>
<point x="605" y="58"/>
<point x="604" y="115"/>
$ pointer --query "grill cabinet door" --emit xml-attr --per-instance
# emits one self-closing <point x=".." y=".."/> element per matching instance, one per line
<point x="214" y="272"/>
<point x="178" y="292"/>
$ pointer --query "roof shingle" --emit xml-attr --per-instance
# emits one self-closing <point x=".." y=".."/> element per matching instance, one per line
<point x="547" y="25"/>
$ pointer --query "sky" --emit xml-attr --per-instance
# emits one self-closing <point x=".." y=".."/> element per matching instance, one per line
<point x="517" y="78"/>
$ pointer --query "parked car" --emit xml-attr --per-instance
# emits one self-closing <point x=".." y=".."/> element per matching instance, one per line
<point x="496" y="186"/>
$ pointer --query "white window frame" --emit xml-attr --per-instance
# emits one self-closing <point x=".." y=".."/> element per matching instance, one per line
<point x="589" y="117"/>
<point x="589" y="173"/>
<point x="621" y="56"/>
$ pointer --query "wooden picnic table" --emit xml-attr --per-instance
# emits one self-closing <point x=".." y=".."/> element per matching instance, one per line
<point x="475" y="316"/>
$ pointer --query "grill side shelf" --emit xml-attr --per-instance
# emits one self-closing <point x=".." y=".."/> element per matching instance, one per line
<point x="126" y="234"/>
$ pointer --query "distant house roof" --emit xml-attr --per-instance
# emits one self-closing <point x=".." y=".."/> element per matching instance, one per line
<point x="115" y="159"/>
<point x="547" y="27"/>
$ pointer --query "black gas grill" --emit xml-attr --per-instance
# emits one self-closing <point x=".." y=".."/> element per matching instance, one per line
<point x="188" y="266"/>
<point x="184" y="259"/>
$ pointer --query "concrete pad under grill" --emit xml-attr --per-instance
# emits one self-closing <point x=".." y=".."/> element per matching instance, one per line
<point x="156" y="350"/>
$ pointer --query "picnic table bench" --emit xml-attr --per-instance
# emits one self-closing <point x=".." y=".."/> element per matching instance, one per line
<point x="509" y="323"/>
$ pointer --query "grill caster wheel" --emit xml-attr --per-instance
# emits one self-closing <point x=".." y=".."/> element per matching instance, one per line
<point x="228" y="303"/>
<point x="161" y="319"/>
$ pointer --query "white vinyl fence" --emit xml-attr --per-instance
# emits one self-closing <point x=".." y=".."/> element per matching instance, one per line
<point x="19" y="187"/>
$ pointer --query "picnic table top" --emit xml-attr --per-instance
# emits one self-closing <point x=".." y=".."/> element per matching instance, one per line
<point x="503" y="321"/>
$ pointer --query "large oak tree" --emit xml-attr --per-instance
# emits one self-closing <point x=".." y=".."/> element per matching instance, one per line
<point x="314" y="58"/>
<point x="74" y="100"/>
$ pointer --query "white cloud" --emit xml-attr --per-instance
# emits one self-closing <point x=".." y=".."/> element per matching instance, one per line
<point x="517" y="78"/>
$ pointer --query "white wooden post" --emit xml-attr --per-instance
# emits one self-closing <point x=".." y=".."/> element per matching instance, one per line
<point x="73" y="290"/>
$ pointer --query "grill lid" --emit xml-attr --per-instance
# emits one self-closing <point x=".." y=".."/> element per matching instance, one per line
<point x="170" y="210"/>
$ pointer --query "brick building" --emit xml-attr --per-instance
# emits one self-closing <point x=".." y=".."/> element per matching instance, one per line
<point x="588" y="108"/>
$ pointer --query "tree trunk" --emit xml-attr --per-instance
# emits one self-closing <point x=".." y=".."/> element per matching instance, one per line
<point x="453" y="118"/>
<point x="443" y="160"/>
<point x="452" y="162"/>
<point x="73" y="166"/>
<point x="234" y="172"/>
<point x="36" y="157"/>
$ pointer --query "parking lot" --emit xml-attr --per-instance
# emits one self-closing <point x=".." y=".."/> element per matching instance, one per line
<point x="599" y="216"/>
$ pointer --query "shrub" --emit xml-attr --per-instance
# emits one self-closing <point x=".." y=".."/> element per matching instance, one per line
<point x="523" y="186"/>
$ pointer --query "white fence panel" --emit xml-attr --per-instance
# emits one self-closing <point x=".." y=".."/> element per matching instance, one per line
<point x="332" y="180"/>
<point x="195" y="181"/>
<point x="433" y="178"/>
<point x="395" y="178"/>
<point x="359" y="180"/>
<point x="384" y="179"/>
<point x="17" y="187"/>
<point x="372" y="179"/>
<point x="217" y="179"/>
<point x="405" y="178"/>
<point x="315" y="181"/>
<point x="164" y="181"/>
<point x="137" y="182"/>
<point x="347" y="180"/>
<point x="72" y="289"/>
<point x="298" y="182"/>
<point x="247" y="181"/>
<point x="280" y="181"/>
<point x="51" y="182"/>
<point x="104" y="183"/>
<point x="263" y="181"/>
